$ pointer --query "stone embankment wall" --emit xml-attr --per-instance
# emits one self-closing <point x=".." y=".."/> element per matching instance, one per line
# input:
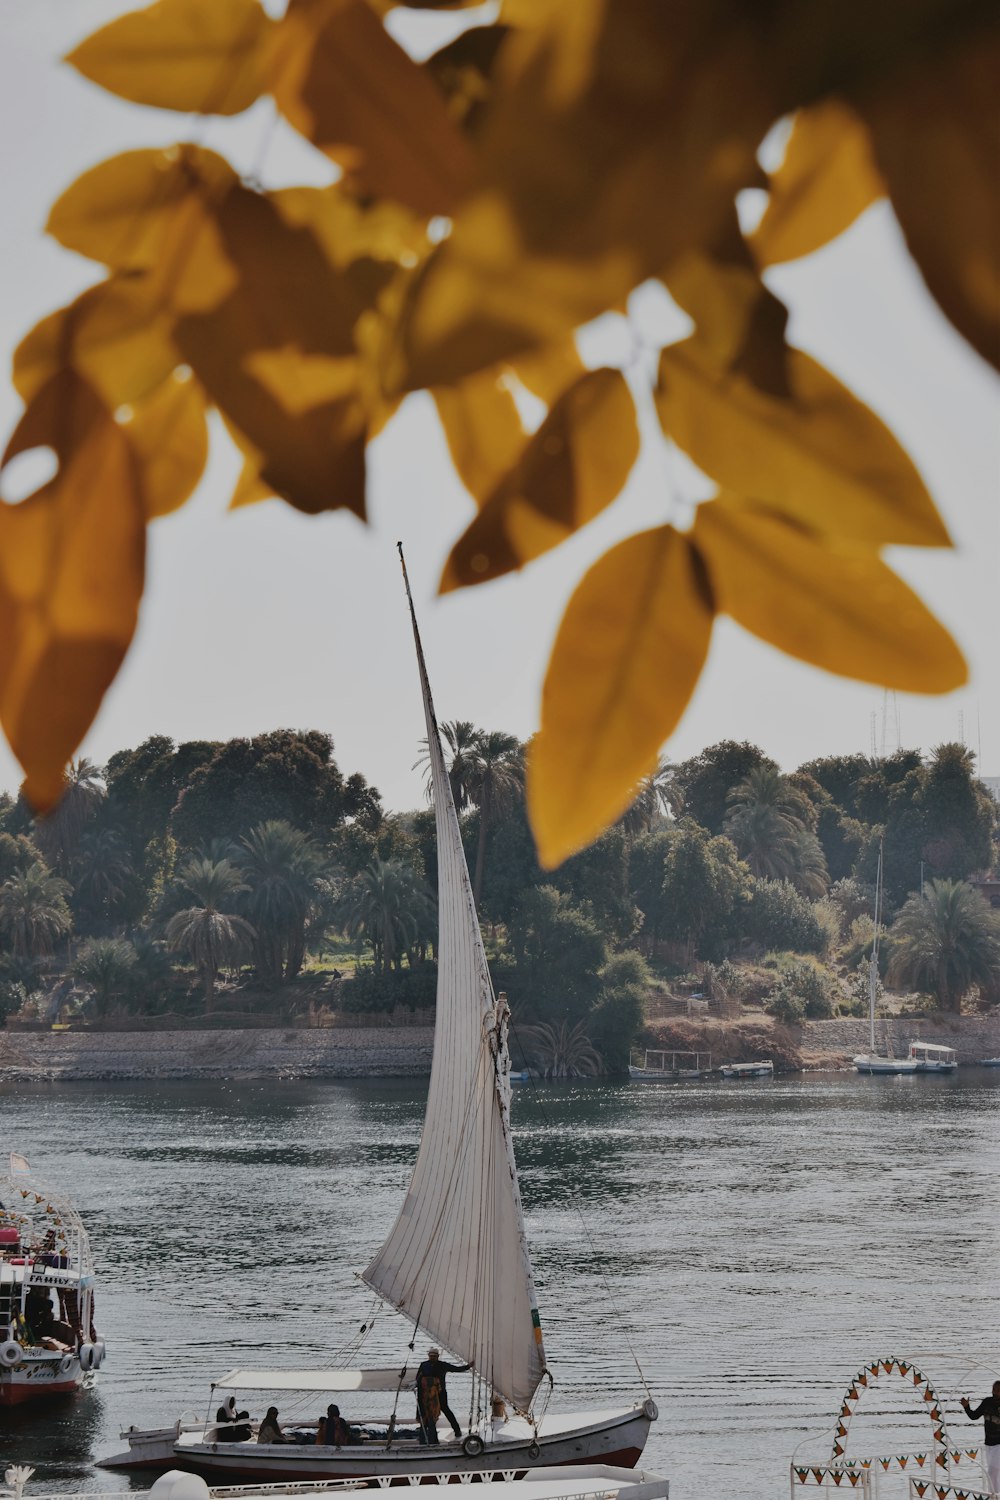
<point x="336" y="1052"/>
<point x="973" y="1037"/>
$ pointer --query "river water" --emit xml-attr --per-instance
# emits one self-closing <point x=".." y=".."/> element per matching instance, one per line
<point x="752" y="1245"/>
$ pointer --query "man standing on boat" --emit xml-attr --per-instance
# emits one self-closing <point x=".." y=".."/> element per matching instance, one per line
<point x="432" y="1395"/>
<point x="989" y="1410"/>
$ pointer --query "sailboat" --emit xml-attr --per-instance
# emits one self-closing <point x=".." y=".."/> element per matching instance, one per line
<point x="872" y="1061"/>
<point x="455" y="1263"/>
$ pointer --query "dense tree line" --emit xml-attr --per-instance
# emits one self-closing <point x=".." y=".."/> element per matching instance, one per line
<point x="176" y="865"/>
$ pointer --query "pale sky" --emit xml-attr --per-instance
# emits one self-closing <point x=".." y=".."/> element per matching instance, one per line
<point x="264" y="618"/>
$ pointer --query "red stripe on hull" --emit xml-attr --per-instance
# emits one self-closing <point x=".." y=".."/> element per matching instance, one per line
<point x="17" y="1395"/>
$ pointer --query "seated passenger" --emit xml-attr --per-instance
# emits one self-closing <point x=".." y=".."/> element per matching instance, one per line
<point x="234" y="1425"/>
<point x="332" y="1430"/>
<point x="269" y="1431"/>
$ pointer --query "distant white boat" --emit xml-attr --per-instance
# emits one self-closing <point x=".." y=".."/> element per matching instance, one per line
<point x="656" y="1068"/>
<point x="931" y="1057"/>
<point x="990" y="1062"/>
<point x="872" y="1061"/>
<point x="762" y="1069"/>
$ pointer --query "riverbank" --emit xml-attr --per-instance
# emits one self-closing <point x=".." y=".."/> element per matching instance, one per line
<point x="261" y="1052"/>
<point x="379" y="1052"/>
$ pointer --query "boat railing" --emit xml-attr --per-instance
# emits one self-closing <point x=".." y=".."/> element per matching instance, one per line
<point x="827" y="1479"/>
<point x="649" y="1490"/>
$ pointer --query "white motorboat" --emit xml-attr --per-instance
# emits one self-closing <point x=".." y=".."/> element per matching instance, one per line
<point x="48" y="1343"/>
<point x="455" y="1263"/>
<point x="932" y="1057"/>
<point x="762" y="1069"/>
<point x="872" y="1061"/>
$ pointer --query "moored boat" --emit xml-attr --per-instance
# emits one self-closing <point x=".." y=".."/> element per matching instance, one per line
<point x="932" y="1057"/>
<point x="656" y="1068"/>
<point x="456" y="1263"/>
<point x="764" y="1068"/>
<point x="49" y="1346"/>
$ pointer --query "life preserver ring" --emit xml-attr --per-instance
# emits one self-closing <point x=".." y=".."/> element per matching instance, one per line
<point x="86" y="1357"/>
<point x="99" y="1351"/>
<point x="10" y="1353"/>
<point x="65" y="1364"/>
<point x="534" y="1451"/>
<point x="650" y="1409"/>
<point x="473" y="1445"/>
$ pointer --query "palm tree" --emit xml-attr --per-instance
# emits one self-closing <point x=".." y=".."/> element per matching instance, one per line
<point x="281" y="867"/>
<point x="106" y="966"/>
<point x="496" y="784"/>
<point x="561" y="1051"/>
<point x="945" y="941"/>
<point x="656" y="798"/>
<point x="462" y="741"/>
<point x="58" y="834"/>
<point x="101" y="868"/>
<point x="33" y="911"/>
<point x="769" y="821"/>
<point x="210" y="932"/>
<point x="390" y="907"/>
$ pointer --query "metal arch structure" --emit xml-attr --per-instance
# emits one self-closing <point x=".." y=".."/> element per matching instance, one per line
<point x="866" y="1379"/>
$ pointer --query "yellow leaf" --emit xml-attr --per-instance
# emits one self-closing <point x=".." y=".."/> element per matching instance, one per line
<point x="170" y="437"/>
<point x="613" y="143"/>
<point x="828" y="178"/>
<point x="274" y="356"/>
<point x="71" y="574"/>
<point x="342" y="81"/>
<point x="937" y="140"/>
<point x="572" y="468"/>
<point x="483" y="430"/>
<point x="549" y="371"/>
<point x="817" y="454"/>
<point x="116" y="335"/>
<point x="198" y="56"/>
<point x="121" y="211"/>
<point x="349" y="230"/>
<point x="626" y="660"/>
<point x="823" y="600"/>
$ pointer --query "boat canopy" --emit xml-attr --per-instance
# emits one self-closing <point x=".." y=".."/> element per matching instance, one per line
<point x="317" y="1380"/>
<point x="931" y="1047"/>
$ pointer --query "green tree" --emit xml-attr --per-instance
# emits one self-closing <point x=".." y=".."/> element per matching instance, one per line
<point x="34" y="911"/>
<point x="461" y="751"/>
<point x="704" y="886"/>
<point x="497" y="784"/>
<point x="103" y="878"/>
<point x="597" y="880"/>
<point x="770" y="820"/>
<point x="209" y="932"/>
<point x="778" y="917"/>
<point x="840" y="776"/>
<point x="281" y="868"/>
<point x="559" y="951"/>
<point x="560" y="1049"/>
<point x="658" y="797"/>
<point x="646" y="869"/>
<point x="945" y="941"/>
<point x="58" y="835"/>
<point x="107" y="967"/>
<point x="617" y="1019"/>
<point x="705" y="780"/>
<point x="389" y="906"/>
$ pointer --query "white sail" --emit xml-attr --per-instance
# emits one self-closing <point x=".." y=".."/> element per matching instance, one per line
<point x="456" y="1260"/>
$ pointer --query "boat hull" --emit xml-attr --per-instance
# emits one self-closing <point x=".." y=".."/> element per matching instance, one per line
<point x="615" y="1438"/>
<point x="40" y="1380"/>
<point x="884" y="1065"/>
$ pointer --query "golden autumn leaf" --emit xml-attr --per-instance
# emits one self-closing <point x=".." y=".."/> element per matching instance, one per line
<point x="483" y="430"/>
<point x="122" y="211"/>
<point x="818" y="454"/>
<point x="936" y="135"/>
<point x="201" y="58"/>
<point x="626" y="659"/>
<point x="570" y="470"/>
<point x="613" y="143"/>
<point x="71" y="575"/>
<point x="549" y="371"/>
<point x="824" y="601"/>
<point x="342" y="82"/>
<point x="115" y="334"/>
<point x="169" y="434"/>
<point x="828" y="178"/>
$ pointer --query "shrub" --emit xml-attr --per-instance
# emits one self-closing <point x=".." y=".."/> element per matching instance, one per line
<point x="778" y="917"/>
<point x="369" y="990"/>
<point x="803" y="989"/>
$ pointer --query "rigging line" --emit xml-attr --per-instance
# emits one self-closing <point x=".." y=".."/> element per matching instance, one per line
<point x="623" y="1327"/>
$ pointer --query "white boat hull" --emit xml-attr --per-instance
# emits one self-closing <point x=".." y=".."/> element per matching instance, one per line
<point x="613" y="1437"/>
<point x="871" y="1064"/>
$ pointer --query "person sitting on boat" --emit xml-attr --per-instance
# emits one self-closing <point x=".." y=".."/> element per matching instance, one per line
<point x="49" y="1331"/>
<point x="234" y="1426"/>
<point x="989" y="1410"/>
<point x="432" y="1395"/>
<point x="332" y="1431"/>
<point x="269" y="1431"/>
